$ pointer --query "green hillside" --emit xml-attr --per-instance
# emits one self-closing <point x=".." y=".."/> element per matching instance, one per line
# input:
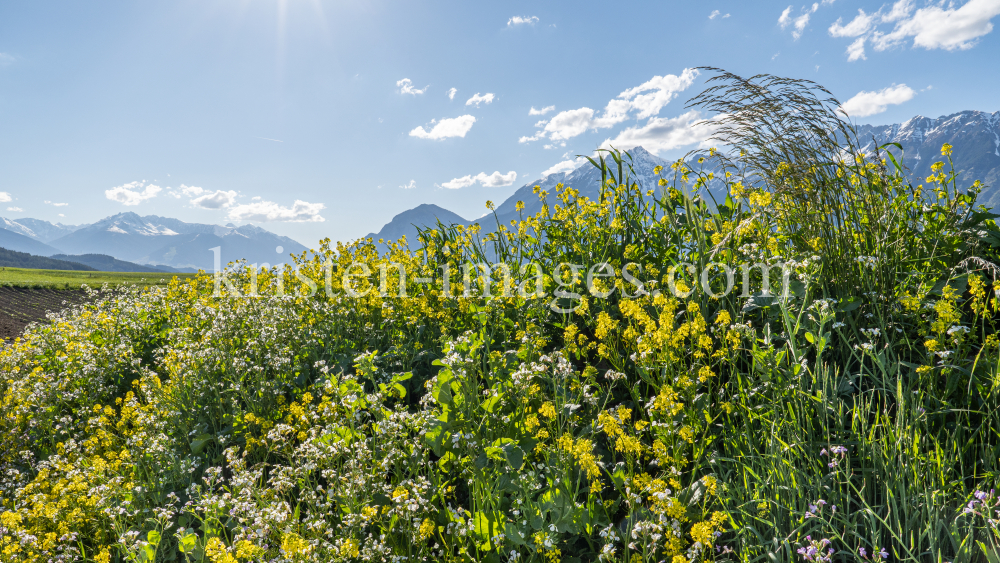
<point x="15" y="259"/>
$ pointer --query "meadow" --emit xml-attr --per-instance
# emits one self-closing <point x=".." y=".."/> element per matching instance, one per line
<point x="317" y="416"/>
<point x="70" y="279"/>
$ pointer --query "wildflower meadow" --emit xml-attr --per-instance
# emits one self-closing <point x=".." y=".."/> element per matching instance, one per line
<point x="617" y="386"/>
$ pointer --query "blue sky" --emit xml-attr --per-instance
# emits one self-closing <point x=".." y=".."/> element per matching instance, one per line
<point x="316" y="118"/>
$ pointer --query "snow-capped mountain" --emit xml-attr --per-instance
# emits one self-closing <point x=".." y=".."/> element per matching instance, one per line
<point x="975" y="136"/>
<point x="161" y="240"/>
<point x="42" y="231"/>
<point x="150" y="240"/>
<point x="585" y="178"/>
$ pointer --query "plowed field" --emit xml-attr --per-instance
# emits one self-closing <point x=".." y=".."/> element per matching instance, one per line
<point x="20" y="306"/>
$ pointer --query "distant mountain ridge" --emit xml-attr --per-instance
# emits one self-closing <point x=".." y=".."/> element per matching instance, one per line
<point x="149" y="240"/>
<point x="105" y="263"/>
<point x="14" y="259"/>
<point x="586" y="178"/>
<point x="974" y="135"/>
<point x="425" y="214"/>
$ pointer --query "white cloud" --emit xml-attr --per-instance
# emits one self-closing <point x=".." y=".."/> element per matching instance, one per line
<point x="265" y="211"/>
<point x="458" y="183"/>
<point x="519" y="20"/>
<point x="785" y="18"/>
<point x="798" y="23"/>
<point x="486" y="98"/>
<point x="564" y="166"/>
<point x="570" y="123"/>
<point x="5" y="197"/>
<point x="899" y="10"/>
<point x="15" y="209"/>
<point x="406" y="87"/>
<point x="661" y="90"/>
<point x="542" y="111"/>
<point x="714" y="14"/>
<point x="860" y="25"/>
<point x="871" y="103"/>
<point x="54" y="204"/>
<point x="451" y="93"/>
<point x="494" y="180"/>
<point x="410" y="186"/>
<point x="661" y="134"/>
<point x="215" y="200"/>
<point x="454" y="127"/>
<point x="935" y="27"/>
<point x="645" y="100"/>
<point x="130" y="194"/>
<point x="6" y="59"/>
<point x="856" y="50"/>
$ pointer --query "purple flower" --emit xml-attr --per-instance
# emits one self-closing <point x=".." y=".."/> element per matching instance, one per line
<point x="979" y="495"/>
<point x="884" y="553"/>
<point x="822" y="452"/>
<point x="862" y="552"/>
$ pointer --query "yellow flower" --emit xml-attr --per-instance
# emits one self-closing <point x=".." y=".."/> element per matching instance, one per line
<point x="294" y="546"/>
<point x="547" y="410"/>
<point x="247" y="551"/>
<point x="711" y="484"/>
<point x="349" y="548"/>
<point x="946" y="149"/>
<point x="216" y="551"/>
<point x="426" y="529"/>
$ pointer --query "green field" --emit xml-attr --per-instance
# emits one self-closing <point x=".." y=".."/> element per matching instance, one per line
<point x="65" y="279"/>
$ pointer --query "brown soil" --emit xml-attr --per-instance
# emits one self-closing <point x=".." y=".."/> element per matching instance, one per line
<point x="20" y="306"/>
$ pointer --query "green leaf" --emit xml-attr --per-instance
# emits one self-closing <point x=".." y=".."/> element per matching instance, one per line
<point x="491" y="404"/>
<point x="485" y="526"/>
<point x="200" y="442"/>
<point x="513" y="533"/>
<point x="147" y="553"/>
<point x="187" y="543"/>
<point x="514" y="455"/>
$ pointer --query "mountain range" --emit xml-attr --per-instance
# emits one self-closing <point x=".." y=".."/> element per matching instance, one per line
<point x="585" y="178"/>
<point x="974" y="135"/>
<point x="161" y="243"/>
<point x="127" y="241"/>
